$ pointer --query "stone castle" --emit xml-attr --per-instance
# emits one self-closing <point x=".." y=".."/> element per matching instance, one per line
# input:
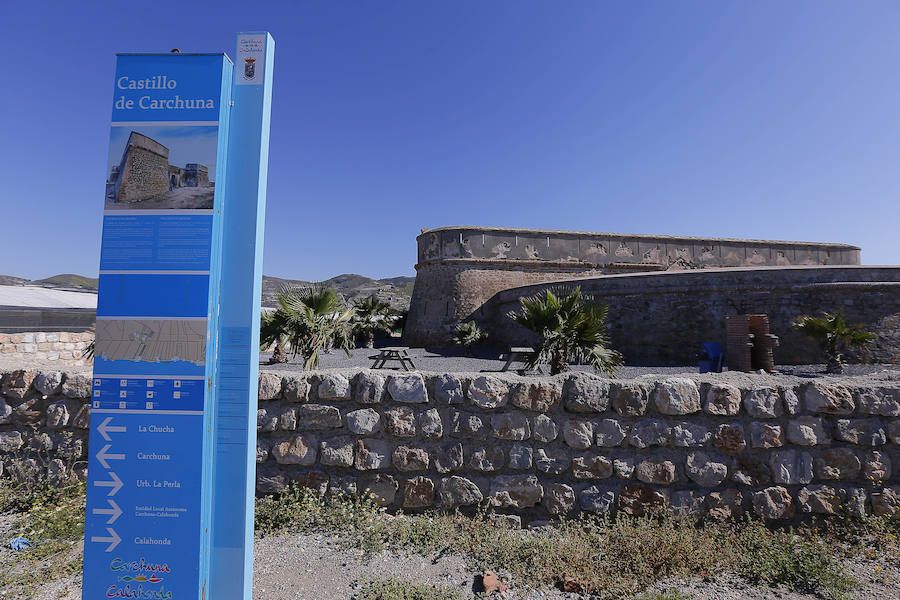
<point x="667" y="294"/>
<point x="144" y="172"/>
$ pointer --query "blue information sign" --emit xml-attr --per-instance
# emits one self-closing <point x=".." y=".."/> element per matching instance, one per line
<point x="150" y="467"/>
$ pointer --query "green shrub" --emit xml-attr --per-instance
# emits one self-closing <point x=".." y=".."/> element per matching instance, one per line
<point x="398" y="589"/>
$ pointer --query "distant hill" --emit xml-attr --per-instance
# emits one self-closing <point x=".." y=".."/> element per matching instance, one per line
<point x="68" y="280"/>
<point x="62" y="281"/>
<point x="395" y="290"/>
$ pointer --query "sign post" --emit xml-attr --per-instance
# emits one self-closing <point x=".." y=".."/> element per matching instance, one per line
<point x="165" y="439"/>
<point x="245" y="205"/>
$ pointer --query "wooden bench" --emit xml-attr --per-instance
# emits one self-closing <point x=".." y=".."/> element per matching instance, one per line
<point x="518" y="354"/>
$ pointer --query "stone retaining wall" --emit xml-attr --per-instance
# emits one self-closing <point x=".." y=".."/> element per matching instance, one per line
<point x="717" y="446"/>
<point x="51" y="346"/>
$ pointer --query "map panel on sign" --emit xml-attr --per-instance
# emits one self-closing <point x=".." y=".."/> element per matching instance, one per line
<point x="151" y="340"/>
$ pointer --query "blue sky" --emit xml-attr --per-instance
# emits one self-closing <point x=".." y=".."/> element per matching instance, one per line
<point x="741" y="119"/>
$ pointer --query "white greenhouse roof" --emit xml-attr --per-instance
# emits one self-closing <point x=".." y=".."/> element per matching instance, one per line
<point x="28" y="296"/>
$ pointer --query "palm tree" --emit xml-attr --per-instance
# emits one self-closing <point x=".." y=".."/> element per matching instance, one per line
<point x="371" y="315"/>
<point x="570" y="329"/>
<point x="309" y="321"/>
<point x="468" y="334"/>
<point x="833" y="335"/>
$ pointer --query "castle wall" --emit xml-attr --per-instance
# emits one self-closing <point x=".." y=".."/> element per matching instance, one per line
<point x="144" y="171"/>
<point x="711" y="446"/>
<point x="460" y="268"/>
<point x="662" y="318"/>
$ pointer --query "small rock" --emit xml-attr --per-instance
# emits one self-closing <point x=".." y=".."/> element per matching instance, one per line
<point x="552" y="461"/>
<point x="448" y="389"/>
<point x="543" y="429"/>
<point x="656" y="471"/>
<point x="48" y="383"/>
<point x="400" y="422"/>
<point x="884" y="401"/>
<point x="638" y="500"/>
<point x="269" y="387"/>
<point x="381" y="488"/>
<point x="722" y="399"/>
<point x="295" y="389"/>
<point x="592" y="466"/>
<point x="337" y="452"/>
<point x="677" y="396"/>
<point x="773" y="503"/>
<point x="807" y="431"/>
<point x="876" y="467"/>
<point x="729" y="438"/>
<point x="333" y="388"/>
<point x="864" y="432"/>
<point x="791" y="466"/>
<point x="318" y="417"/>
<point x="299" y="450"/>
<point x="488" y="392"/>
<point x="725" y="505"/>
<point x="371" y="454"/>
<point x="368" y="387"/>
<point x="763" y="403"/>
<point x="407" y="458"/>
<point x="609" y="433"/>
<point x="704" y="470"/>
<point x="448" y="457"/>
<point x="520" y="456"/>
<point x="559" y="498"/>
<point x="586" y="393"/>
<point x="515" y="491"/>
<point x="418" y="492"/>
<point x="458" y="491"/>
<point x="649" y="432"/>
<point x="766" y="435"/>
<point x="510" y="426"/>
<point x="837" y="464"/>
<point x="629" y="398"/>
<point x="539" y="396"/>
<point x="828" y="399"/>
<point x="430" y="424"/>
<point x="578" y="434"/>
<point x="690" y="435"/>
<point x="364" y="421"/>
<point x="409" y="388"/>
<point x="487" y="459"/>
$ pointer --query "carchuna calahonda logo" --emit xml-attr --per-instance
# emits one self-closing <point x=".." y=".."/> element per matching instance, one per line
<point x="249" y="68"/>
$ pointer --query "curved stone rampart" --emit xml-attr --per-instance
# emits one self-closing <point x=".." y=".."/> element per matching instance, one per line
<point x="662" y="318"/>
<point x="460" y="268"/>
<point x="717" y="446"/>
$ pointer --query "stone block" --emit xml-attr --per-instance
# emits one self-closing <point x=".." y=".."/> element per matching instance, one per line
<point x="313" y="480"/>
<point x="48" y="383"/>
<point x="544" y="429"/>
<point x="381" y="489"/>
<point x="876" y="467"/>
<point x="893" y="429"/>
<point x="539" y="396"/>
<point x="488" y="392"/>
<point x="883" y="401"/>
<point x="333" y="388"/>
<point x="863" y="432"/>
<point x="807" y="431"/>
<point x="57" y="415"/>
<point x="730" y="438"/>
<point x="77" y="386"/>
<point x="299" y="450"/>
<point x="82" y="419"/>
<point x="364" y="421"/>
<point x="722" y="399"/>
<point x="448" y="457"/>
<point x="371" y="454"/>
<point x="520" y="457"/>
<point x="430" y="424"/>
<point x="649" y="432"/>
<point x="657" y="471"/>
<point x="559" y="498"/>
<point x="336" y="452"/>
<point x="295" y="389"/>
<point x="266" y="419"/>
<point x="448" y="389"/>
<point x="592" y="466"/>
<point x="623" y="467"/>
<point x="368" y="387"/>
<point x="408" y="458"/>
<point x="639" y="500"/>
<point x="837" y="464"/>
<point x="578" y="434"/>
<point x="689" y="435"/>
<point x="886" y="503"/>
<point x="725" y="505"/>
<point x="791" y="466"/>
<point x="596" y="499"/>
<point x="586" y="393"/>
<point x="609" y="433"/>
<point x="705" y="470"/>
<point x="6" y="412"/>
<point x="677" y="396"/>
<point x="515" y="491"/>
<point x="269" y="386"/>
<point x="552" y="461"/>
<point x="487" y="459"/>
<point x="510" y="426"/>
<point x="467" y="425"/>
<point x="287" y="419"/>
<point x="262" y="450"/>
<point x="790" y="401"/>
<point x="408" y="388"/>
<point x="400" y="422"/>
<point x="630" y="398"/>
<point x="17" y="384"/>
<point x="822" y="500"/>
<point x="766" y="435"/>
<point x="314" y="417"/>
<point x="828" y="399"/>
<point x="418" y="492"/>
<point x="459" y="491"/>
<point x="763" y="403"/>
<point x="773" y="504"/>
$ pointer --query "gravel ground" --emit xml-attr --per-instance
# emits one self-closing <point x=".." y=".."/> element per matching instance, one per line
<point x="312" y="567"/>
<point x="449" y="360"/>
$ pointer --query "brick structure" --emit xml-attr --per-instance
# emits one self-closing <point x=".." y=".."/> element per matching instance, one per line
<point x="459" y="268"/>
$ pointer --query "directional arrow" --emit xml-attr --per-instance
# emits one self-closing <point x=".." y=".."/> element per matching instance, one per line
<point x="113" y="539"/>
<point x="105" y="428"/>
<point x="113" y="512"/>
<point x="103" y="455"/>
<point x="115" y="485"/>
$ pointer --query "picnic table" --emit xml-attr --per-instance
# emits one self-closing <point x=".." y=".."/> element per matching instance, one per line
<point x="393" y="354"/>
<point x="518" y="354"/>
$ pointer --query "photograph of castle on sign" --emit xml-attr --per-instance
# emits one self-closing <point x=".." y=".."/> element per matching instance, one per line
<point x="161" y="168"/>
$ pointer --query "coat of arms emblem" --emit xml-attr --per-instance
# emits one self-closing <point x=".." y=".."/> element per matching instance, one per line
<point x="249" y="68"/>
